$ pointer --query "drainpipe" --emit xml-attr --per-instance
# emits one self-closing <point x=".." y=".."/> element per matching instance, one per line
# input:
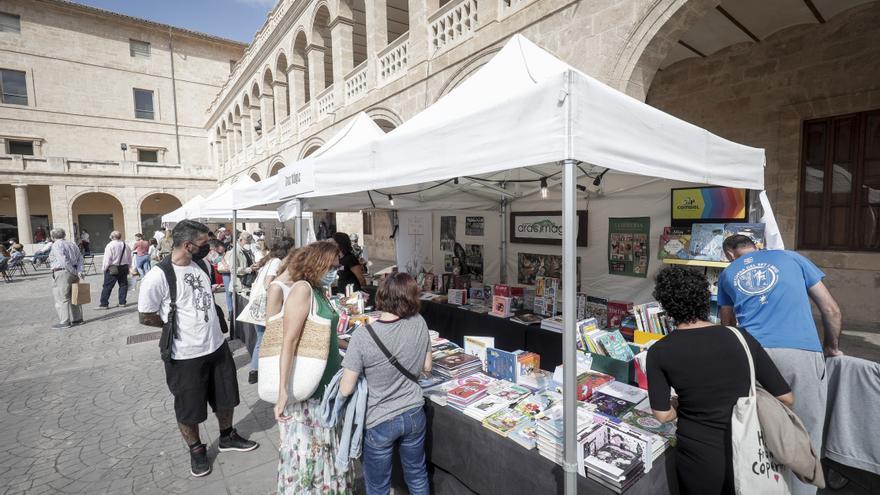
<point x="174" y="93"/>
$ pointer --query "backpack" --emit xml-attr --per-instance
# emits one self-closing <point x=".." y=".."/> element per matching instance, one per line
<point x="169" y="329"/>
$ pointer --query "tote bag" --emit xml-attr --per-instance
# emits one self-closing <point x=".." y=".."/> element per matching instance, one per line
<point x="309" y="359"/>
<point x="255" y="311"/>
<point x="755" y="471"/>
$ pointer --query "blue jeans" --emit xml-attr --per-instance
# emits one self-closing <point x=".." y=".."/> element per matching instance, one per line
<point x="407" y="431"/>
<point x="226" y="285"/>
<point x="142" y="264"/>
<point x="255" y="356"/>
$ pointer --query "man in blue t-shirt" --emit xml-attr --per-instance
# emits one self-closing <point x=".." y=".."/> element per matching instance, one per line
<point x="769" y="293"/>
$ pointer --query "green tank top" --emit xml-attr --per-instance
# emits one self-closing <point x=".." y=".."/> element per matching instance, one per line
<point x="334" y="360"/>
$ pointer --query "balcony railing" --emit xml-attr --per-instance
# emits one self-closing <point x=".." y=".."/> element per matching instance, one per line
<point x="452" y="24"/>
<point x="356" y="83"/>
<point x="326" y="102"/>
<point x="393" y="59"/>
<point x="286" y="127"/>
<point x="304" y="116"/>
<point x="10" y="164"/>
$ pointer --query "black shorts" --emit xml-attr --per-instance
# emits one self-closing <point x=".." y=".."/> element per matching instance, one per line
<point x="196" y="382"/>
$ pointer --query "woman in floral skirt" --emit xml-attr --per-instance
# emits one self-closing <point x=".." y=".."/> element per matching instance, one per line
<point x="308" y="450"/>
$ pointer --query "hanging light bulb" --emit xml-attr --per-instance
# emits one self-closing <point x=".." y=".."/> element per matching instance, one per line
<point x="455" y="181"/>
<point x="543" y="188"/>
<point x="391" y="200"/>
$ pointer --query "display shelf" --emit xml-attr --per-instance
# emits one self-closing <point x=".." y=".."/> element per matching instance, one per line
<point x="710" y="264"/>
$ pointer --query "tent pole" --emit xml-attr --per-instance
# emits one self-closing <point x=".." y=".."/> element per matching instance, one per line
<point x="504" y="208"/>
<point x="298" y="226"/>
<point x="233" y="275"/>
<point x="569" y="356"/>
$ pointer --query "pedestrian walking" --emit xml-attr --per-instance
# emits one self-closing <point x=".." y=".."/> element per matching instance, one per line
<point x="769" y="293"/>
<point x="141" y="250"/>
<point x="66" y="261"/>
<point x="117" y="260"/>
<point x="200" y="369"/>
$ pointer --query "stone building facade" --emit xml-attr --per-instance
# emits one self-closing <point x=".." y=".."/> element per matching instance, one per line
<point x="79" y="82"/>
<point x="755" y="72"/>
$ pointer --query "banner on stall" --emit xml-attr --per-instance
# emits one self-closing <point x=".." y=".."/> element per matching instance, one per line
<point x="629" y="246"/>
<point x="298" y="178"/>
<point x="544" y="227"/>
<point x="708" y="205"/>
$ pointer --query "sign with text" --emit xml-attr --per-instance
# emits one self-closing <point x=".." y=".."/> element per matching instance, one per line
<point x="708" y="204"/>
<point x="544" y="227"/>
<point x="297" y="179"/>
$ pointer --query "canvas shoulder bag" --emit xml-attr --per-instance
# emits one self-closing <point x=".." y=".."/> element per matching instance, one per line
<point x="391" y="359"/>
<point x="309" y="358"/>
<point x="255" y="311"/>
<point x="754" y="468"/>
<point x="113" y="268"/>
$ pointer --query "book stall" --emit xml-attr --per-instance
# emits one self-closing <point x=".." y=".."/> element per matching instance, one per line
<point x="523" y="132"/>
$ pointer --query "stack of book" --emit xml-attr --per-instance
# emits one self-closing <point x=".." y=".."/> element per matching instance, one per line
<point x="537" y="381"/>
<point x="651" y="318"/>
<point x="609" y="406"/>
<point x="463" y="396"/>
<point x="457" y="296"/>
<point x="508" y="391"/>
<point x="554" y="323"/>
<point x="457" y="365"/>
<point x="550" y="430"/>
<point x="488" y="405"/>
<point x="646" y="421"/>
<point x="611" y="457"/>
<point x="605" y="343"/>
<point x="537" y="404"/>
<point x="526" y="319"/>
<point x="526" y="434"/>
<point x="504" y="421"/>
<point x="476" y="346"/>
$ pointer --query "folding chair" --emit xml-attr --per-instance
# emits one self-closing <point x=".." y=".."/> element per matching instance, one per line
<point x="19" y="265"/>
<point x="89" y="264"/>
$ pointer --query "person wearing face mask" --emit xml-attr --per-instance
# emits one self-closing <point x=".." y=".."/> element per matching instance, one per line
<point x="201" y="369"/>
<point x="245" y="268"/>
<point x="308" y="450"/>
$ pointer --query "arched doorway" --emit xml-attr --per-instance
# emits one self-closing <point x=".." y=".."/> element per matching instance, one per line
<point x="152" y="209"/>
<point x="99" y="214"/>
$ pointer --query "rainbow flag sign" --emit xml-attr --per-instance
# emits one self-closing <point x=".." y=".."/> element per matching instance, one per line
<point x="708" y="204"/>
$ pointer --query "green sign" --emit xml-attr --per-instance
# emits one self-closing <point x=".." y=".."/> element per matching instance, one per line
<point x="628" y="246"/>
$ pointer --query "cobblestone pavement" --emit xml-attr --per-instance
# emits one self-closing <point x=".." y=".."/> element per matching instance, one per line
<point x="85" y="413"/>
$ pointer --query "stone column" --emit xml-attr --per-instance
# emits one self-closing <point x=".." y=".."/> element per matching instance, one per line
<point x="419" y="42"/>
<point x="23" y="213"/>
<point x="267" y="109"/>
<point x="230" y="143"/>
<point x="377" y="35"/>
<point x="316" y="69"/>
<point x="247" y="128"/>
<point x="281" y="101"/>
<point x="131" y="215"/>
<point x="62" y="214"/>
<point x="297" y="78"/>
<point x="219" y="158"/>
<point x="342" y="32"/>
<point x="225" y="145"/>
<point x="236" y="135"/>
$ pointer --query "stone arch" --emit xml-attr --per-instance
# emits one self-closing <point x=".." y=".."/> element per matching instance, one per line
<point x="254" y="108"/>
<point x="302" y="85"/>
<point x="99" y="212"/>
<point x="267" y="99"/>
<point x="254" y="175"/>
<point x="385" y="114"/>
<point x="152" y="206"/>
<point x="275" y="167"/>
<point x="356" y="12"/>
<point x="322" y="40"/>
<point x="472" y="65"/>
<point x="237" y="127"/>
<point x="282" y="87"/>
<point x="310" y="147"/>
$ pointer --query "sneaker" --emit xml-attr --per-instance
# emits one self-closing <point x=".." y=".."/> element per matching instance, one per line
<point x="252" y="377"/>
<point x="102" y="308"/>
<point x="60" y="326"/>
<point x="77" y="322"/>
<point x="198" y="461"/>
<point x="233" y="441"/>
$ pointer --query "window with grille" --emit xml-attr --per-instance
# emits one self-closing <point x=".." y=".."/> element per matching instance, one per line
<point x="10" y="23"/>
<point x="139" y="49"/>
<point x="19" y="147"/>
<point x="143" y="104"/>
<point x="840" y="183"/>
<point x="13" y="87"/>
<point x="151" y="156"/>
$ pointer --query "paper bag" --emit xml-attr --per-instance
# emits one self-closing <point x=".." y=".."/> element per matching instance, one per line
<point x="80" y="293"/>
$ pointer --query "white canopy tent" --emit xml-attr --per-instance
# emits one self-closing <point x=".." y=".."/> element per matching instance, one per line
<point x="221" y="203"/>
<point x="530" y="111"/>
<point x="184" y="211"/>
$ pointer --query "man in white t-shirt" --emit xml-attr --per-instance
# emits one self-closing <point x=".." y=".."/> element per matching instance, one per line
<point x="201" y="370"/>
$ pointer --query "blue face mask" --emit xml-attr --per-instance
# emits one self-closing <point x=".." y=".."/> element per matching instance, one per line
<point x="328" y="278"/>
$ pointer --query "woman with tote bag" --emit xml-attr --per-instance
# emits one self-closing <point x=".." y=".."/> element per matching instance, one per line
<point x="705" y="365"/>
<point x="308" y="359"/>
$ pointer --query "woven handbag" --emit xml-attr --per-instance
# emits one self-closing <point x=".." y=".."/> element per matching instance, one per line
<point x="309" y="359"/>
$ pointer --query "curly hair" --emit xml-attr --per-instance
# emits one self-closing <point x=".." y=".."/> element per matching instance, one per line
<point x="311" y="262"/>
<point x="683" y="293"/>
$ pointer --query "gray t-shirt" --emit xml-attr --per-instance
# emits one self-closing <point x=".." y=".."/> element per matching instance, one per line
<point x="390" y="393"/>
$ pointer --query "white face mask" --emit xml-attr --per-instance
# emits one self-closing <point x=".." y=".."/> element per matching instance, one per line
<point x="328" y="278"/>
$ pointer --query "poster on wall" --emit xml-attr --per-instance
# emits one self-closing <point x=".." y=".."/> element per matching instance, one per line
<point x="544" y="227"/>
<point x="447" y="233"/>
<point x="530" y="266"/>
<point x="628" y="246"/>
<point x="474" y="226"/>
<point x="474" y="261"/>
<point x="708" y="205"/>
<point x="325" y="224"/>
<point x="413" y="242"/>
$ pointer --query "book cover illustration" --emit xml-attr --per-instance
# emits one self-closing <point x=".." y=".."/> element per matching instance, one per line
<point x="476" y="346"/>
<point x="527" y="319"/>
<point x="457" y="297"/>
<point x="454" y="361"/>
<point x="502" y="290"/>
<point x="467" y="392"/>
<point x="597" y="307"/>
<point x="647" y="422"/>
<point x="536" y="404"/>
<point x="474" y="379"/>
<point x="589" y="382"/>
<point x="504" y="421"/>
<point x="501" y="306"/>
<point x="754" y="231"/>
<point x="476" y="293"/>
<point x="526" y="364"/>
<point x="706" y="241"/>
<point x="486" y="406"/>
<point x="617" y="311"/>
<point x="501" y="364"/>
<point x="675" y="244"/>
<point x="624" y="391"/>
<point x="584" y="327"/>
<point x="526" y="434"/>
<point x="615" y="346"/>
<point x="609" y="405"/>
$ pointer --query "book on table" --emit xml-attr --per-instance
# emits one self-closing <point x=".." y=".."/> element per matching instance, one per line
<point x="486" y="406"/>
<point x="464" y="395"/>
<point x="526" y="319"/>
<point x="506" y="390"/>
<point x="610" y="406"/>
<point x="501" y="364"/>
<point x="554" y="323"/>
<point x="614" y="345"/>
<point x="504" y="421"/>
<point x="584" y="327"/>
<point x="609" y="455"/>
<point x="538" y="381"/>
<point x="646" y="421"/>
<point x="457" y="364"/>
<point x="477" y="345"/>
<point x="538" y="403"/>
<point x="502" y="306"/>
<point x="623" y="391"/>
<point x="597" y="307"/>
<point x="526" y="364"/>
<point x="457" y="297"/>
<point x="617" y="311"/>
<point x="526" y="434"/>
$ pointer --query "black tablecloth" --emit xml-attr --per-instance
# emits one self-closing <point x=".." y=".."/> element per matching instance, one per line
<point x="454" y="323"/>
<point x="464" y="456"/>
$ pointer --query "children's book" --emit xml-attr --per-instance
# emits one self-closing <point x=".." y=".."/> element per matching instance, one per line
<point x="597" y="307"/>
<point x="617" y="311"/>
<point x="457" y="296"/>
<point x="526" y="364"/>
<point x="485" y="407"/>
<point x="646" y="421"/>
<point x="581" y="306"/>
<point x="754" y="231"/>
<point x="501" y="364"/>
<point x="525" y="434"/>
<point x="538" y="403"/>
<point x="584" y="327"/>
<point x="501" y="290"/>
<point x="504" y="421"/>
<point x="476" y="346"/>
<point x="610" y="406"/>
<point x="507" y="391"/>
<point x="501" y="306"/>
<point x="476" y="293"/>
<point x="624" y="391"/>
<point x="615" y="346"/>
<point x="706" y="241"/>
<point x="428" y="282"/>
